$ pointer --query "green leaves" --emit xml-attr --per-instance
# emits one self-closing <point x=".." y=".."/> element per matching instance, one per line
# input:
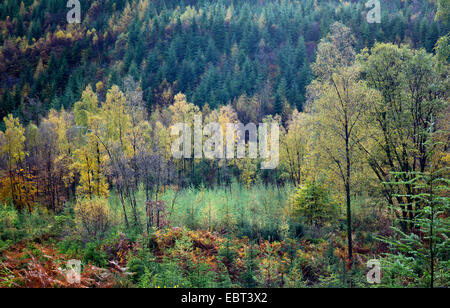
<point x="314" y="203"/>
<point x="420" y="258"/>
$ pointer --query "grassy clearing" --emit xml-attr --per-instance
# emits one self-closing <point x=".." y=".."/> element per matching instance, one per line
<point x="259" y="211"/>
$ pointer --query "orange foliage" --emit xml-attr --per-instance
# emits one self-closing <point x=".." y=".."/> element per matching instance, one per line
<point x="22" y="269"/>
<point x="20" y="187"/>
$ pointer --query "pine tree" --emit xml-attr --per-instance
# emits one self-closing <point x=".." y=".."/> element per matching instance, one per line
<point x="422" y="255"/>
<point x="432" y="37"/>
<point x="248" y="277"/>
<point x="280" y="97"/>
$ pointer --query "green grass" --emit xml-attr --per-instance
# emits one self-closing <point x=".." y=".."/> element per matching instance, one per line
<point x="259" y="211"/>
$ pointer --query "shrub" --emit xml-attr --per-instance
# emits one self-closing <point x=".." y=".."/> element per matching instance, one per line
<point x="9" y="221"/>
<point x="248" y="276"/>
<point x="4" y="244"/>
<point x="71" y="247"/>
<point x="9" y="216"/>
<point x="63" y="225"/>
<point x="227" y="252"/>
<point x="313" y="202"/>
<point x="93" y="217"/>
<point x="94" y="254"/>
<point x="35" y="224"/>
<point x="16" y="226"/>
<point x="294" y="277"/>
<point x="165" y="275"/>
<point x="200" y="275"/>
<point x="136" y="266"/>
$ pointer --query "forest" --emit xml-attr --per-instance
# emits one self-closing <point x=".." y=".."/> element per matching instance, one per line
<point x="87" y="170"/>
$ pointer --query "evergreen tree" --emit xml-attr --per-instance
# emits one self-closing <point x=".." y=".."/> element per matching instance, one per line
<point x="422" y="256"/>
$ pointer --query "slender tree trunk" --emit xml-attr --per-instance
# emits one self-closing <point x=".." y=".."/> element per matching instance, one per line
<point x="136" y="218"/>
<point x="98" y="169"/>
<point x="119" y="189"/>
<point x="349" y="221"/>
<point x="349" y="209"/>
<point x="13" y="192"/>
<point x="431" y="240"/>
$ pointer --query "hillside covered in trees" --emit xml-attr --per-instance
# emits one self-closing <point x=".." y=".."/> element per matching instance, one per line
<point x="87" y="169"/>
<point x="215" y="52"/>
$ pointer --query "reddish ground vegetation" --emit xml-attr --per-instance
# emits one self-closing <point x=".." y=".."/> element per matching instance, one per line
<point x="40" y="266"/>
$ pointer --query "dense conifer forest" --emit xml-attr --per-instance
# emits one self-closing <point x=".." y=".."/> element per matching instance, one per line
<point x="87" y="164"/>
